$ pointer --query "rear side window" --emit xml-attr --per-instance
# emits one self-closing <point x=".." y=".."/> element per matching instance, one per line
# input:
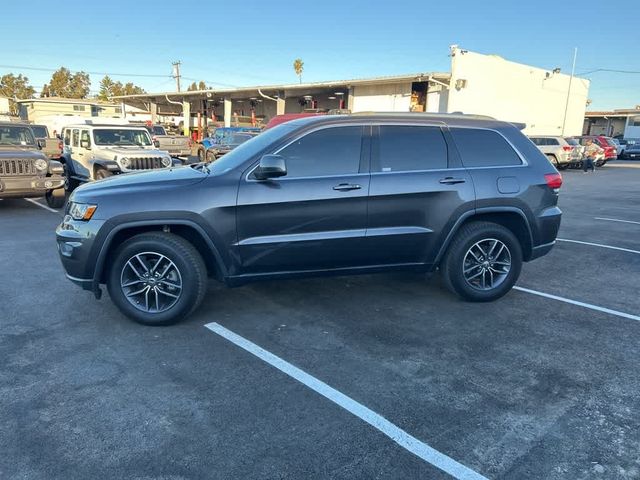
<point x="484" y="148"/>
<point x="330" y="151"/>
<point x="537" y="141"/>
<point x="552" y="141"/>
<point x="67" y="137"/>
<point x="76" y="133"/>
<point x="404" y="148"/>
<point x="572" y="141"/>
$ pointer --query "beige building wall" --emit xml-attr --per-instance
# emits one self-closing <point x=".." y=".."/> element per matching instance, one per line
<point x="395" y="97"/>
<point x="491" y="85"/>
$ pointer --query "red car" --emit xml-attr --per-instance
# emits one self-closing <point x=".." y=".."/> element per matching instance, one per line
<point x="606" y="143"/>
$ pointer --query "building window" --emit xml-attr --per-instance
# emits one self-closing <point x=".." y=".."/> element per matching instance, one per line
<point x="78" y="108"/>
<point x="118" y="110"/>
<point x="635" y="122"/>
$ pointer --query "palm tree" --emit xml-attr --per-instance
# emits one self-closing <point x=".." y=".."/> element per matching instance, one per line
<point x="298" y="66"/>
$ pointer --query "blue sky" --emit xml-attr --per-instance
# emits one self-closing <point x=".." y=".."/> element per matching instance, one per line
<point x="253" y="42"/>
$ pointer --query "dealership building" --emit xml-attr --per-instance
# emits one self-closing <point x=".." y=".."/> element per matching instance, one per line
<point x="547" y="101"/>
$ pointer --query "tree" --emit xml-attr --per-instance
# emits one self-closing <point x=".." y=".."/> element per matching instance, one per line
<point x="67" y="85"/>
<point x="15" y="87"/>
<point x="109" y="89"/>
<point x="298" y="67"/>
<point x="197" y="86"/>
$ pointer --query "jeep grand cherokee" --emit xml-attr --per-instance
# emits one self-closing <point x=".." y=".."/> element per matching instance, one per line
<point x="468" y="195"/>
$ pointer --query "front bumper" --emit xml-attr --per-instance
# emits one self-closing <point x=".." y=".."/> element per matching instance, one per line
<point x="76" y="242"/>
<point x="25" y="187"/>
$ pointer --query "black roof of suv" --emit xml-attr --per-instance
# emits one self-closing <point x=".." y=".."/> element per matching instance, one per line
<point x="328" y="194"/>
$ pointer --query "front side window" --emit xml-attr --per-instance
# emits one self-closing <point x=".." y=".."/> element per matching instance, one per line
<point x="330" y="151"/>
<point x="484" y="148"/>
<point x="404" y="148"/>
<point x="76" y="134"/>
<point x="85" y="137"/>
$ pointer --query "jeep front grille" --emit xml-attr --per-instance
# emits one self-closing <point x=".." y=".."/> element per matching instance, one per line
<point x="145" y="163"/>
<point x="16" y="167"/>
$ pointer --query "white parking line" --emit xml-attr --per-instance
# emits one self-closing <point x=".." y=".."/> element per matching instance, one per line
<point x="599" y="245"/>
<point x="402" y="438"/>
<point x="31" y="200"/>
<point x="616" y="220"/>
<point x="580" y="304"/>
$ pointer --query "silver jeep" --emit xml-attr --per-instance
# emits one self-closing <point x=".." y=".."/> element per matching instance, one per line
<point x="93" y="152"/>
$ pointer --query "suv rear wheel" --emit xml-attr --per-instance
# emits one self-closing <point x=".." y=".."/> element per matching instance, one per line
<point x="483" y="262"/>
<point x="56" y="198"/>
<point x="157" y="278"/>
<point x="102" y="173"/>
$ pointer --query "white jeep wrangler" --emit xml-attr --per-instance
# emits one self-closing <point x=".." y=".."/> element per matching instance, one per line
<point x="92" y="152"/>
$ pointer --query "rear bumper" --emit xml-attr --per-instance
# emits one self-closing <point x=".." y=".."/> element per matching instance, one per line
<point x="548" y="224"/>
<point x="541" y="250"/>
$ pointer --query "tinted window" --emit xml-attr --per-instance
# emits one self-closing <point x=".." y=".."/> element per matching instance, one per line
<point x="537" y="141"/>
<point x="572" y="141"/>
<point x="39" y="131"/>
<point x="330" y="151"/>
<point x="552" y="141"/>
<point x="403" y="148"/>
<point x="484" y="148"/>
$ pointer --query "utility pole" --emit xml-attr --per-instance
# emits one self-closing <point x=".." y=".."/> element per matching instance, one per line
<point x="566" y="106"/>
<point x="176" y="73"/>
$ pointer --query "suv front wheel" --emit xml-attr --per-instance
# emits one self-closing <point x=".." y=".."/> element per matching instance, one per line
<point x="483" y="262"/>
<point x="157" y="278"/>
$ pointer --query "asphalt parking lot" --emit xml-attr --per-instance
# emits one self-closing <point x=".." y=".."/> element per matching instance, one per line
<point x="528" y="387"/>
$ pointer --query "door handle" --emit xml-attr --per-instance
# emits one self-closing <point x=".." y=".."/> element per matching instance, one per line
<point x="451" y="180"/>
<point x="347" y="186"/>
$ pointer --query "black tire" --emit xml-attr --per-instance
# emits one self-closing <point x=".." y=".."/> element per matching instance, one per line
<point x="102" y="173"/>
<point x="56" y="198"/>
<point x="210" y="156"/>
<point x="201" y="154"/>
<point x="69" y="183"/>
<point x="554" y="161"/>
<point x="452" y="266"/>
<point x="191" y="272"/>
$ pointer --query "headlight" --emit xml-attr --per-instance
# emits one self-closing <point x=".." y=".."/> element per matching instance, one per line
<point x="81" y="211"/>
<point x="125" y="162"/>
<point x="41" y="164"/>
<point x="166" y="161"/>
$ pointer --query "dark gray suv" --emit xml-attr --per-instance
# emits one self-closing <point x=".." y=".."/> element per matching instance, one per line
<point x="469" y="195"/>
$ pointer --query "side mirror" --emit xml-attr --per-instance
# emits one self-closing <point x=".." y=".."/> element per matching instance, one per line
<point x="271" y="166"/>
<point x="85" y="144"/>
<point x="41" y="144"/>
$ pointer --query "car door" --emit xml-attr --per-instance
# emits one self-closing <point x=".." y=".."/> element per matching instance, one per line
<point x="313" y="218"/>
<point x="78" y="155"/>
<point x="418" y="189"/>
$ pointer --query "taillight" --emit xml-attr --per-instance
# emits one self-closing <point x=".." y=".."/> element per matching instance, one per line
<point x="554" y="180"/>
<point x="567" y="148"/>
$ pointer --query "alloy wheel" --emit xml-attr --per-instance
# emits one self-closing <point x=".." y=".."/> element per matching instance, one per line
<point x="151" y="282"/>
<point x="486" y="264"/>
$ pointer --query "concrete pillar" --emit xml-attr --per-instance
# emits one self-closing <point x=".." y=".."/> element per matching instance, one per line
<point x="153" y="109"/>
<point x="350" y="96"/>
<point x="227" y="112"/>
<point x="280" y="103"/>
<point x="186" y="114"/>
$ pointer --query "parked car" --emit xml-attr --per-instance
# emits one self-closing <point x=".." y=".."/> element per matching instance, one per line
<point x="562" y="152"/>
<point x="619" y="147"/>
<point x="227" y="144"/>
<point x="25" y="171"/>
<point x="469" y="195"/>
<point x="176" y="145"/>
<point x="606" y="143"/>
<point x="93" y="152"/>
<point x="632" y="151"/>
<point x="626" y="143"/>
<point x="218" y="135"/>
<point x="51" y="147"/>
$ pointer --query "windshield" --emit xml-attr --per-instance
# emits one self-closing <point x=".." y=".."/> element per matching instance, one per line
<point x="121" y="137"/>
<point x="39" y="131"/>
<point x="236" y="139"/>
<point x="249" y="148"/>
<point x="15" y="135"/>
<point x="158" y="130"/>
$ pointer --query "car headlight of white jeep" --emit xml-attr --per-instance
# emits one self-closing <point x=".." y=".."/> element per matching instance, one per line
<point x="81" y="211"/>
<point x="166" y="161"/>
<point x="41" y="164"/>
<point x="125" y="162"/>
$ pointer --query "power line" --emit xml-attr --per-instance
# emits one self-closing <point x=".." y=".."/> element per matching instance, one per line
<point x="609" y="70"/>
<point x="43" y="69"/>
